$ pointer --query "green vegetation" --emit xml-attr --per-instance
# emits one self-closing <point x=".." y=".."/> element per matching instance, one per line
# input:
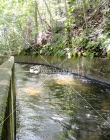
<point x="61" y="27"/>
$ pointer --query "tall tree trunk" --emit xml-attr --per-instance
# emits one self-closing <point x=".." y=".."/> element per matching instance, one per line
<point x="85" y="17"/>
<point x="36" y="21"/>
<point x="51" y="19"/>
<point x="67" y="27"/>
<point x="41" y="20"/>
<point x="59" y="7"/>
<point x="65" y="9"/>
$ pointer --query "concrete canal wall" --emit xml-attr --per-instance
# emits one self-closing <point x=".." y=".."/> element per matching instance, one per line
<point x="97" y="68"/>
<point x="7" y="99"/>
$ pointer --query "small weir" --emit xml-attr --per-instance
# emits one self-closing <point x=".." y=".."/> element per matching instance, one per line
<point x="54" y="105"/>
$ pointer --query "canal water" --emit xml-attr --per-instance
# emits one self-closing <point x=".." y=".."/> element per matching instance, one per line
<point x="54" y="105"/>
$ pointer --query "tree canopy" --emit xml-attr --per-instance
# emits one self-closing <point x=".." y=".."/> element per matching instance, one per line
<point x="55" y="27"/>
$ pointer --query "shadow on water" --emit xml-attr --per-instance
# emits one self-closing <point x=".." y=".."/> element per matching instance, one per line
<point x="60" y="107"/>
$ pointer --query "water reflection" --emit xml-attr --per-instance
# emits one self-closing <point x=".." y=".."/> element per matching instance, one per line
<point x="65" y="80"/>
<point x="32" y="91"/>
<point x="55" y="111"/>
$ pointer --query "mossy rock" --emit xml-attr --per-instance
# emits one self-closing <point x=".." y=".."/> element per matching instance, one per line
<point x="108" y="54"/>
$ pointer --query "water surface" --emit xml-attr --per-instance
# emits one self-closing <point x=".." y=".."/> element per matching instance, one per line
<point x="60" y="106"/>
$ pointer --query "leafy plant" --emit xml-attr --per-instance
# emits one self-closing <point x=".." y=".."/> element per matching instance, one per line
<point x="80" y="41"/>
<point x="86" y="53"/>
<point x="92" y="45"/>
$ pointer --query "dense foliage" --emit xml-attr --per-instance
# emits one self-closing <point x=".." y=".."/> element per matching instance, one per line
<point x="60" y="27"/>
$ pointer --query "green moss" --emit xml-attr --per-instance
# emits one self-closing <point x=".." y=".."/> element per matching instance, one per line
<point x="108" y="54"/>
<point x="86" y="53"/>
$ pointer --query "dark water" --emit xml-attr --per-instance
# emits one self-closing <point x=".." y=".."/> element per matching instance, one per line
<point x="60" y="106"/>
